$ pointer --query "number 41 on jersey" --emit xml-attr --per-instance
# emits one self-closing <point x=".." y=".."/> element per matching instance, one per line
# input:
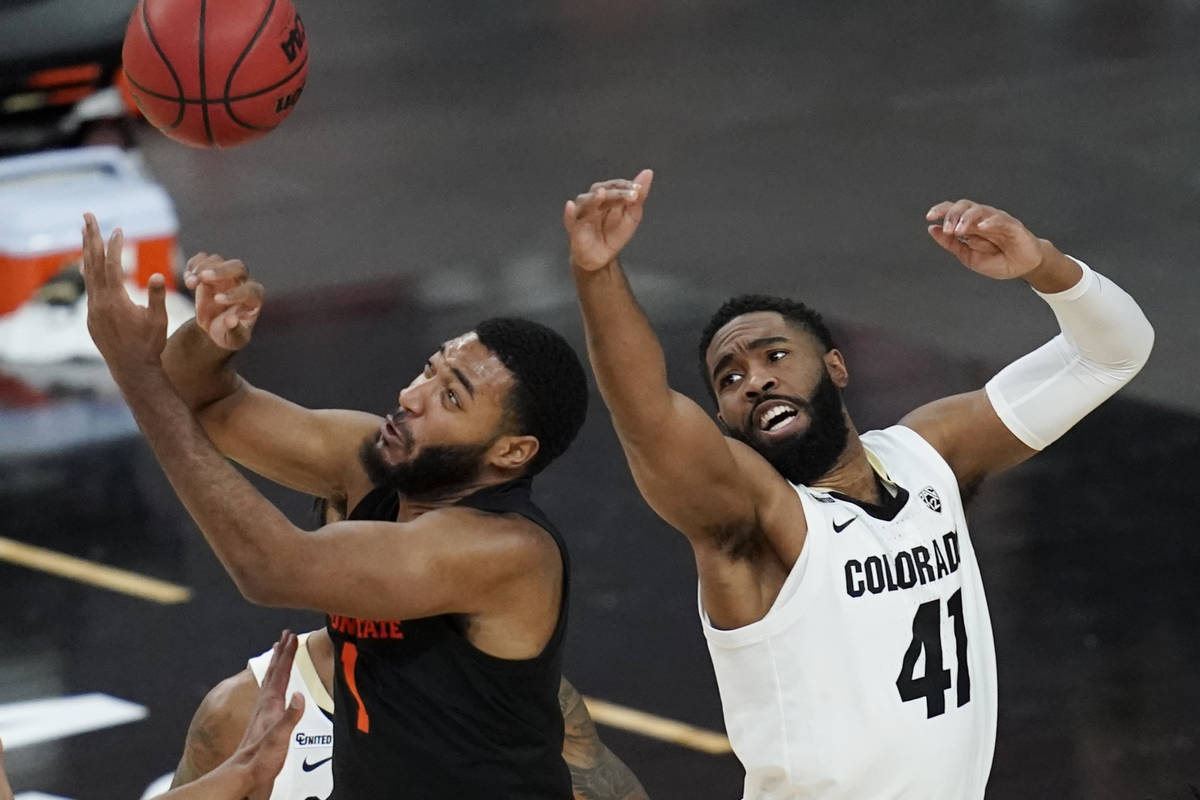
<point x="927" y="637"/>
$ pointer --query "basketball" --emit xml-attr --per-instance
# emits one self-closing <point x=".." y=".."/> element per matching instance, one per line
<point x="215" y="73"/>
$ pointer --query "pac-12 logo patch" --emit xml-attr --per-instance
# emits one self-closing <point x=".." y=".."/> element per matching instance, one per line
<point x="929" y="497"/>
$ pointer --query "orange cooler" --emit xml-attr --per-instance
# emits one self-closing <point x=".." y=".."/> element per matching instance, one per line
<point x="42" y="200"/>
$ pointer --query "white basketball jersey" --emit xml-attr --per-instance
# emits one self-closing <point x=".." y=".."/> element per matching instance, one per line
<point x="307" y="772"/>
<point x="873" y="675"/>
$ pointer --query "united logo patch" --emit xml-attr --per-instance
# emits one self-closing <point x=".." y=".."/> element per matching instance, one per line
<point x="929" y="497"/>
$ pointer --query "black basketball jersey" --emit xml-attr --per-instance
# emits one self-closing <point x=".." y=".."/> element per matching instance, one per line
<point x="422" y="713"/>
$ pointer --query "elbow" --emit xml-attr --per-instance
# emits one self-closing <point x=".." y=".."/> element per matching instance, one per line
<point x="257" y="588"/>
<point x="263" y="579"/>
<point x="1145" y="342"/>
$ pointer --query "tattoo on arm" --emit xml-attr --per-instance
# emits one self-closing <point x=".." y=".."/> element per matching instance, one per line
<point x="596" y="773"/>
<point x="201" y="754"/>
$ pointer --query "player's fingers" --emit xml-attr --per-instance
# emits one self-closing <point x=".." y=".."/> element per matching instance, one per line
<point x="617" y="185"/>
<point x="227" y="320"/>
<point x="951" y="217"/>
<point x="231" y="270"/>
<point x="585" y="202"/>
<point x="93" y="253"/>
<point x="642" y="183"/>
<point x="938" y="210"/>
<point x="114" y="271"/>
<point x="969" y="219"/>
<point x="195" y="260"/>
<point x="569" y="212"/>
<point x="949" y="241"/>
<point x="280" y="667"/>
<point x="156" y="289"/>
<point x="248" y="294"/>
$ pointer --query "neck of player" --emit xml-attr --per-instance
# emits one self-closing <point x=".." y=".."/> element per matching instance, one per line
<point x="852" y="474"/>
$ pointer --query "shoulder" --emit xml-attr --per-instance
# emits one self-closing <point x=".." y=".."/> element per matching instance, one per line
<point x="217" y="726"/>
<point x="779" y="518"/>
<point x="509" y="538"/>
<point x="228" y="705"/>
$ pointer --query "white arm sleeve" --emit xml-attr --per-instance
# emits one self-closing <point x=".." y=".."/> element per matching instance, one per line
<point x="1105" y="340"/>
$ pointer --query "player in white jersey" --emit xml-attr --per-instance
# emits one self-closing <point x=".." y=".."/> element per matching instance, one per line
<point x="596" y="772"/>
<point x="307" y="773"/>
<point x="839" y="590"/>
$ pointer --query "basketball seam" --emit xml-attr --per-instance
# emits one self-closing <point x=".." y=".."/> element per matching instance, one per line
<point x="170" y="69"/>
<point x="232" y="72"/>
<point x="203" y="81"/>
<point x="198" y="101"/>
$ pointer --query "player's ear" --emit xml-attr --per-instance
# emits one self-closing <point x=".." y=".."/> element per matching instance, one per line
<point x="513" y="452"/>
<point x="835" y="364"/>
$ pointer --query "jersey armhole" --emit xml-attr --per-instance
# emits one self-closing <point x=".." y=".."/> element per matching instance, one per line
<point x="308" y="672"/>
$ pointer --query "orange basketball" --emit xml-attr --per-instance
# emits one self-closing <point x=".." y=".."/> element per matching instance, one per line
<point x="215" y="73"/>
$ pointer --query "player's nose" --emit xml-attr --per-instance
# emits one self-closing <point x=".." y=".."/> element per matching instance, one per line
<point x="411" y="398"/>
<point x="758" y="383"/>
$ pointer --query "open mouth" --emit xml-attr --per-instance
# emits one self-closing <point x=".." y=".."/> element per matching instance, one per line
<point x="391" y="435"/>
<point x="775" y="416"/>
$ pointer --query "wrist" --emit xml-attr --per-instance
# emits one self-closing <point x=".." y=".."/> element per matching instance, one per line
<point x="1056" y="272"/>
<point x="584" y="270"/>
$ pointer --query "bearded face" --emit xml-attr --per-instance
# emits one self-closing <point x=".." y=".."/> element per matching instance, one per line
<point x="774" y="427"/>
<point x="435" y="471"/>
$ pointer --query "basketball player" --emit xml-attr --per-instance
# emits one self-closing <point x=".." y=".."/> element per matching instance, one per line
<point x="445" y="586"/>
<point x="839" y="590"/>
<point x="250" y="769"/>
<point x="596" y="773"/>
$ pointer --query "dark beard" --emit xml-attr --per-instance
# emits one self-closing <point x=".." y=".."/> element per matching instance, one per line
<point x="437" y="471"/>
<point x="805" y="457"/>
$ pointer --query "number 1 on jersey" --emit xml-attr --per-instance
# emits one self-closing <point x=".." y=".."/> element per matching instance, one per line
<point x="349" y="661"/>
<point x="927" y="636"/>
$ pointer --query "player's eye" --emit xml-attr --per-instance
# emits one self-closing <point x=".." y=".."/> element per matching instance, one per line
<point x="452" y="396"/>
<point x="728" y="379"/>
<point x="776" y="355"/>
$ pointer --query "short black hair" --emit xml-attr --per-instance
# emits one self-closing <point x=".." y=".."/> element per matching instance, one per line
<point x="793" y="311"/>
<point x="550" y="396"/>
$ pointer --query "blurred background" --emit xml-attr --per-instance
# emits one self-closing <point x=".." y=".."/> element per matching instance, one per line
<point x="418" y="186"/>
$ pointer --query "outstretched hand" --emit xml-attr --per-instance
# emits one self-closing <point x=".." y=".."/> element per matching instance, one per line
<point x="601" y="221"/>
<point x="985" y="239"/>
<point x="126" y="334"/>
<point x="227" y="300"/>
<point x="264" y="746"/>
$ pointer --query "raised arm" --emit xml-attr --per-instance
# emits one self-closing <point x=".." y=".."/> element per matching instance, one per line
<point x="694" y="477"/>
<point x="450" y="560"/>
<point x="1104" y="343"/>
<point x="313" y="451"/>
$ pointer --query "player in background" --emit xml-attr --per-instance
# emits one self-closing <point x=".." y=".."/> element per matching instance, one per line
<point x="839" y="591"/>
<point x="596" y="773"/>
<point x="249" y="771"/>
<point x="445" y="587"/>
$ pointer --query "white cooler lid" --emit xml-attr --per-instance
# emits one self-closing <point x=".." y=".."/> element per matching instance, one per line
<point x="43" y="197"/>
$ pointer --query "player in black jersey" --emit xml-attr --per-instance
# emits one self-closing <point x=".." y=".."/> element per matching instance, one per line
<point x="446" y="587"/>
<point x="218" y="724"/>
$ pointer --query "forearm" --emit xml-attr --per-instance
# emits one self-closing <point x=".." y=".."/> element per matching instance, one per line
<point x="605" y="778"/>
<point x="249" y="535"/>
<point x="626" y="357"/>
<point x="1105" y="341"/>
<point x="198" y="369"/>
